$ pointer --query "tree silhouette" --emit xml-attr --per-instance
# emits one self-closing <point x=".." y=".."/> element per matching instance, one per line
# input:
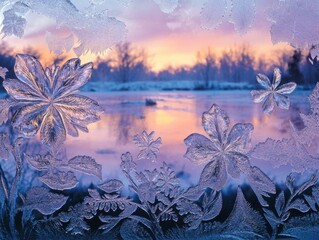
<point x="206" y="66"/>
<point x="128" y="61"/>
<point x="294" y="68"/>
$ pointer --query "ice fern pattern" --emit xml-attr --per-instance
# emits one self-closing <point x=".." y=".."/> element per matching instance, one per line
<point x="145" y="202"/>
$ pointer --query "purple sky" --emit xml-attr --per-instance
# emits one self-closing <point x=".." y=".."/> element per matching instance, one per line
<point x="170" y="39"/>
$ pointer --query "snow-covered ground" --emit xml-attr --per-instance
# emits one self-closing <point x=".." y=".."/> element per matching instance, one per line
<point x="163" y="86"/>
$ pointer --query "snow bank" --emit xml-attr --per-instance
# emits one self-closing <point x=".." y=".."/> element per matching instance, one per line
<point x="164" y="86"/>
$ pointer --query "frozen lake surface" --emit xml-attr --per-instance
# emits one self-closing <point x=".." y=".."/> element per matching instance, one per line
<point x="176" y="115"/>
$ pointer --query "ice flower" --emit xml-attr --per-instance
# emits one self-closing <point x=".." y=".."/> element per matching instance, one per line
<point x="224" y="150"/>
<point x="167" y="180"/>
<point x="273" y="93"/>
<point x="149" y="148"/>
<point x="46" y="101"/>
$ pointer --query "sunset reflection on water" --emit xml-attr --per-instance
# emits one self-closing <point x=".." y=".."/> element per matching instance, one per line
<point x="176" y="115"/>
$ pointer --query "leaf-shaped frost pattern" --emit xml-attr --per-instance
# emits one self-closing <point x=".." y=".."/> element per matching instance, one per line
<point x="213" y="13"/>
<point x="111" y="186"/>
<point x="225" y="151"/>
<point x="214" y="175"/>
<point x="39" y="198"/>
<point x="149" y="148"/>
<point x="45" y="100"/>
<point x="60" y="180"/>
<point x="86" y="165"/>
<point x="39" y="162"/>
<point x="242" y="14"/>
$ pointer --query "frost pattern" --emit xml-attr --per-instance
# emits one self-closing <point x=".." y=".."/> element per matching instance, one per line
<point x="82" y="25"/>
<point x="39" y="198"/>
<point x="297" y="200"/>
<point x="157" y="205"/>
<point x="295" y="151"/>
<point x="292" y="22"/>
<point x="54" y="170"/>
<point x="273" y="93"/>
<point x="96" y="31"/>
<point x="167" y="6"/>
<point x="240" y="13"/>
<point x="225" y="153"/>
<point x="3" y="72"/>
<point x="283" y="152"/>
<point x="147" y="145"/>
<point x="309" y="133"/>
<point x="46" y="100"/>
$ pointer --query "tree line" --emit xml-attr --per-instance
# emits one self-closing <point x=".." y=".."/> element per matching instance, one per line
<point x="127" y="63"/>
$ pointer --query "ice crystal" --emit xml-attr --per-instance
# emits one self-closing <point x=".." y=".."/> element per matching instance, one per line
<point x="4" y="146"/>
<point x="296" y="201"/>
<point x="58" y="44"/>
<point x="243" y="14"/>
<point x="167" y="6"/>
<point x="244" y="220"/>
<point x="240" y="13"/>
<point x="3" y="72"/>
<point x="224" y="151"/>
<point x="47" y="100"/>
<point x="59" y="180"/>
<point x="74" y="218"/>
<point x="149" y="148"/>
<point x="111" y="186"/>
<point x="293" y="23"/>
<point x="39" y="198"/>
<point x="5" y="105"/>
<point x="213" y="14"/>
<point x="284" y="152"/>
<point x="55" y="176"/>
<point x="273" y="93"/>
<point x="82" y="25"/>
<point x="309" y="133"/>
<point x="304" y="227"/>
<point x="86" y="165"/>
<point x="107" y="31"/>
<point x="13" y="24"/>
<point x="157" y="205"/>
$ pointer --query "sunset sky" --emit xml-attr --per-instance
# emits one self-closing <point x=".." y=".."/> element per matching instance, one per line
<point x="170" y="39"/>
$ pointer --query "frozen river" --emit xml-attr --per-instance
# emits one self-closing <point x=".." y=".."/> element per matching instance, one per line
<point x="176" y="115"/>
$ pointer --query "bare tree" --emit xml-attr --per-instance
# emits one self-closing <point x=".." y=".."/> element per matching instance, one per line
<point x="129" y="61"/>
<point x="206" y="65"/>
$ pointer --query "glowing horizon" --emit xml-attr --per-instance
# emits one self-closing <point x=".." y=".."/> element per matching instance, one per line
<point x="170" y="40"/>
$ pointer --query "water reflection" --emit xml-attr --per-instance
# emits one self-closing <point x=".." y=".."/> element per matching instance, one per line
<point x="176" y="115"/>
